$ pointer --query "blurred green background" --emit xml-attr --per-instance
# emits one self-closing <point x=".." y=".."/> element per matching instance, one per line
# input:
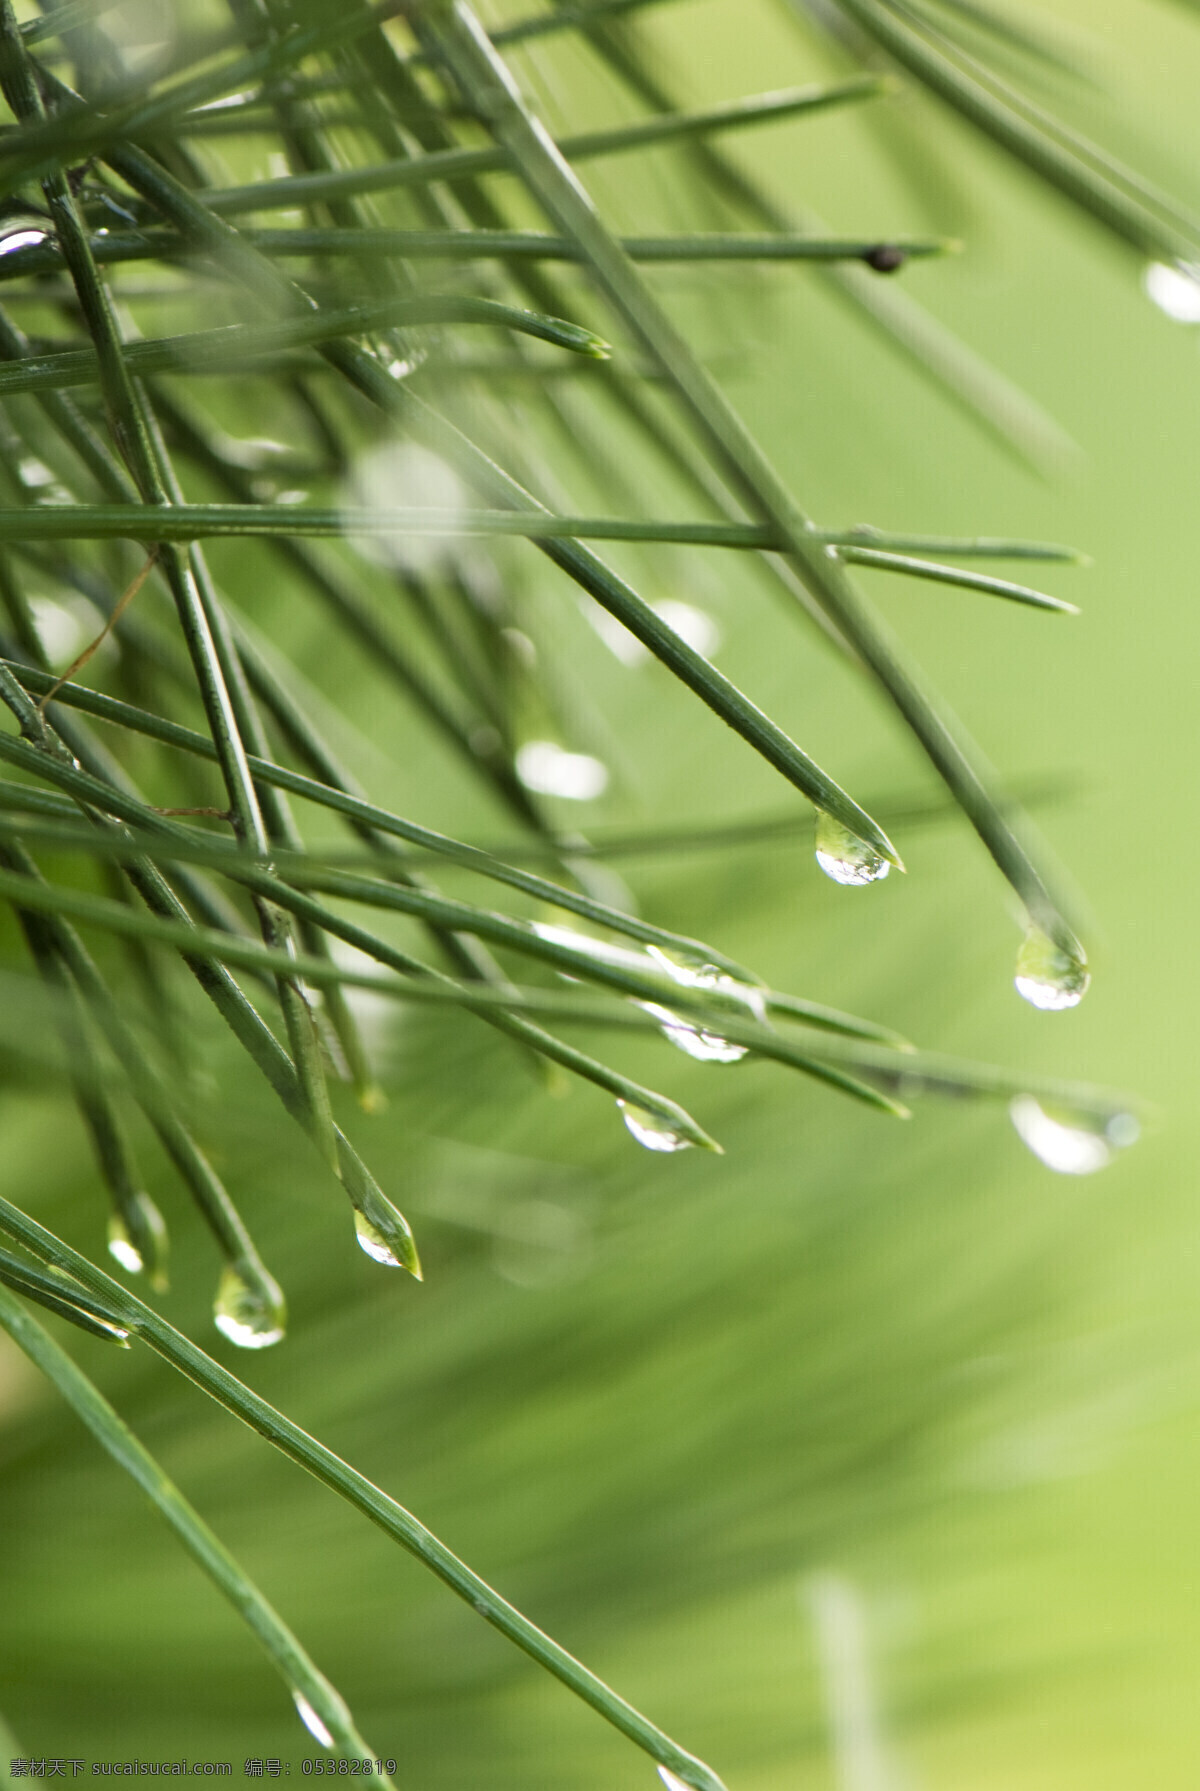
<point x="865" y="1455"/>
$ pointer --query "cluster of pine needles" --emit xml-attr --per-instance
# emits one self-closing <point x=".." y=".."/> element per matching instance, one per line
<point x="153" y="812"/>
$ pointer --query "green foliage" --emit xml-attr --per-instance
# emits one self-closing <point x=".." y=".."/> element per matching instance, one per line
<point x="391" y="596"/>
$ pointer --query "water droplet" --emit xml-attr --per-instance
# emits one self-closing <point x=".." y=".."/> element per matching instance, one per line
<point x="705" y="1047"/>
<point x="523" y="650"/>
<point x="138" y="1240"/>
<point x="695" y="973"/>
<point x="620" y="643"/>
<point x="22" y="239"/>
<point x="251" y="1314"/>
<point x="694" y="626"/>
<point x="690" y="972"/>
<point x="651" y="1131"/>
<point x="1175" y="290"/>
<point x="670" y="1780"/>
<point x="1123" y="1129"/>
<point x="412" y="362"/>
<point x="374" y="1243"/>
<point x="845" y="857"/>
<point x="1077" y="1144"/>
<point x="425" y="481"/>
<point x="311" y="1720"/>
<point x="122" y="1247"/>
<point x="64" y="627"/>
<point x="545" y="766"/>
<point x="571" y="936"/>
<point x="1048" y="976"/>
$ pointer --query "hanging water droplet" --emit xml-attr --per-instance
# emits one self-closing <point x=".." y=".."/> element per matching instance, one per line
<point x="620" y="643"/>
<point x="1077" y="1144"/>
<point x="1123" y="1129"/>
<point x="122" y="1247"/>
<point x="428" y="483"/>
<point x="384" y="1235"/>
<point x="671" y="1781"/>
<point x="137" y="1239"/>
<point x="251" y="1313"/>
<point x="845" y="857"/>
<point x="372" y="1241"/>
<point x="651" y="1131"/>
<point x="694" y="973"/>
<point x="411" y="363"/>
<point x="1175" y="290"/>
<point x="1047" y="975"/>
<point x="311" y="1720"/>
<point x="29" y="235"/>
<point x="545" y="766"/>
<point x="523" y="650"/>
<point x="695" y="626"/>
<point x="34" y="472"/>
<point x="705" y="1047"/>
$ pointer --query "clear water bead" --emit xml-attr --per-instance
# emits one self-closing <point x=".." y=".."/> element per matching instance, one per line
<point x="670" y="1780"/>
<point x="27" y="237"/>
<point x="696" y="974"/>
<point x="1074" y="1145"/>
<point x="137" y="1239"/>
<point x="705" y="1047"/>
<point x="650" y="1131"/>
<point x="122" y="1247"/>
<point x="695" y="626"/>
<point x="545" y="766"/>
<point x="1175" y="290"/>
<point x="845" y="857"/>
<point x="252" y="1316"/>
<point x="1047" y="975"/>
<point x="311" y="1720"/>
<point x="372" y="1241"/>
